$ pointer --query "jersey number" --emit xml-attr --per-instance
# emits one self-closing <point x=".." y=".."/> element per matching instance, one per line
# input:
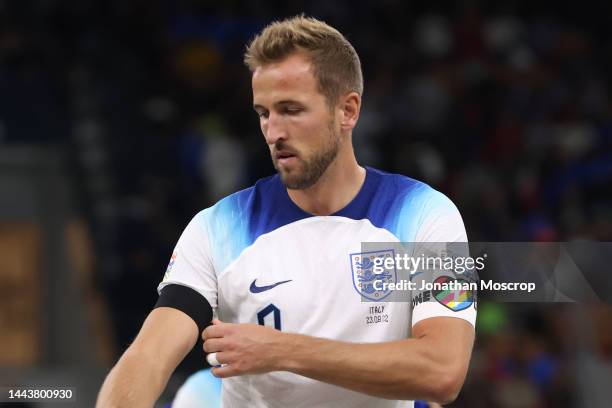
<point x="261" y="315"/>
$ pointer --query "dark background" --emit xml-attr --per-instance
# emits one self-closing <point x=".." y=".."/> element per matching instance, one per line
<point x="119" y="120"/>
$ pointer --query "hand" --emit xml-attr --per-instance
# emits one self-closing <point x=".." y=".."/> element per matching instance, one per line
<point x="244" y="348"/>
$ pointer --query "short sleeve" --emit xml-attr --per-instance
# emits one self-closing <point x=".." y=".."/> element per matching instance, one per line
<point x="191" y="262"/>
<point x="441" y="225"/>
<point x="441" y="221"/>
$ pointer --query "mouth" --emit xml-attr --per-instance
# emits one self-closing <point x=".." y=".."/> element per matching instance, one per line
<point x="284" y="158"/>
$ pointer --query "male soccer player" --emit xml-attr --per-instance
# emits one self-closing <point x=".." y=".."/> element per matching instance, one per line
<point x="275" y="262"/>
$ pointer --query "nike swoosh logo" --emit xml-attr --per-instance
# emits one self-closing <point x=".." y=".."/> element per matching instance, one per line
<point x="257" y="289"/>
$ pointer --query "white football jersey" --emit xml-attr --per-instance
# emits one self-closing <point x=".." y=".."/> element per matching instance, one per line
<point x="258" y="258"/>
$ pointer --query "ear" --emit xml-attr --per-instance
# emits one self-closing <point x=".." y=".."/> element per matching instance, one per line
<point x="350" y="106"/>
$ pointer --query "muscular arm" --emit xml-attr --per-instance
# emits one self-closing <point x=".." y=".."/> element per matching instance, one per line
<point x="430" y="366"/>
<point x="141" y="374"/>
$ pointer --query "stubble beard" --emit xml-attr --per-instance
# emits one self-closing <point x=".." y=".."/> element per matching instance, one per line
<point x="312" y="169"/>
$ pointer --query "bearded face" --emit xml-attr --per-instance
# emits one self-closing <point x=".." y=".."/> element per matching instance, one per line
<point x="296" y="120"/>
<point x="301" y="170"/>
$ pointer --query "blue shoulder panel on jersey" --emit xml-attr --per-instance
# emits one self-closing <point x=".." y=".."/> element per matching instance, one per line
<point x="389" y="201"/>
<point x="236" y="221"/>
<point x="394" y="202"/>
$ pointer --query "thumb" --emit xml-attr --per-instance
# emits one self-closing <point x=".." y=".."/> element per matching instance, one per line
<point x="216" y="321"/>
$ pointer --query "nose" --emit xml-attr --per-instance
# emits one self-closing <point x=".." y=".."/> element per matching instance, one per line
<point x="274" y="128"/>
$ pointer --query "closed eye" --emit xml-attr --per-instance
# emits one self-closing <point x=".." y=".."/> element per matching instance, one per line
<point x="292" y="111"/>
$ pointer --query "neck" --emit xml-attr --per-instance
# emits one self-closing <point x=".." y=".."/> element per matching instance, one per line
<point x="335" y="189"/>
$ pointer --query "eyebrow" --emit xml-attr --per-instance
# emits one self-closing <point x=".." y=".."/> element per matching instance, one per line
<point x="280" y="103"/>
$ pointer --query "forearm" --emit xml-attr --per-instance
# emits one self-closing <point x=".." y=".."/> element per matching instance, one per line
<point x="133" y="382"/>
<point x="404" y="369"/>
<point x="431" y="366"/>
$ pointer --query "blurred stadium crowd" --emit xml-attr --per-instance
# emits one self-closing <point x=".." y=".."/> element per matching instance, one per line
<point x="506" y="108"/>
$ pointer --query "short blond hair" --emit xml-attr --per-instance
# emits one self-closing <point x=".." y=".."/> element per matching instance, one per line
<point x="335" y="62"/>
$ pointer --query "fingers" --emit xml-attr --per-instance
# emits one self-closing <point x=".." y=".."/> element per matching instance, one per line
<point x="213" y="336"/>
<point x="212" y="345"/>
<point x="223" y="357"/>
<point x="214" y="331"/>
<point x="225" y="353"/>
<point x="225" y="371"/>
<point x="218" y="359"/>
<point x="212" y="359"/>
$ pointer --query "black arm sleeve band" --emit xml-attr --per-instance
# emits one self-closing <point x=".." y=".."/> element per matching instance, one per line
<point x="188" y="301"/>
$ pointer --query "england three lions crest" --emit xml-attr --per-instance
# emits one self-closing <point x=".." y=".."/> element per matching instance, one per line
<point x="367" y="282"/>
